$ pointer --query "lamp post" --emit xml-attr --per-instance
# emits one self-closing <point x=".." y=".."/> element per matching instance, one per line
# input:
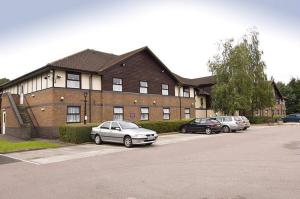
<point x="85" y="101"/>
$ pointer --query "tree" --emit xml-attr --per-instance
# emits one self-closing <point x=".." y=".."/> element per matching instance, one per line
<point x="3" y="81"/>
<point x="241" y="84"/>
<point x="292" y="92"/>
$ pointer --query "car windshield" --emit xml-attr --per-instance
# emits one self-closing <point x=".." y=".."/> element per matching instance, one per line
<point x="128" y="125"/>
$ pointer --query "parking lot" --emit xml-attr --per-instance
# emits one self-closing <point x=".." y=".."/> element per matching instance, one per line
<point x="263" y="162"/>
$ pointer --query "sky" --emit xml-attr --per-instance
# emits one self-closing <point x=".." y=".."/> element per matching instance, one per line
<point x="183" y="34"/>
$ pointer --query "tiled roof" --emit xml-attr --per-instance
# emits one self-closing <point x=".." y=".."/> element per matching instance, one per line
<point x="209" y="80"/>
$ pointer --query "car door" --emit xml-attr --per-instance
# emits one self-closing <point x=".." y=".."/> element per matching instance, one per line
<point x="194" y="125"/>
<point x="202" y="125"/>
<point x="105" y="132"/>
<point x="116" y="132"/>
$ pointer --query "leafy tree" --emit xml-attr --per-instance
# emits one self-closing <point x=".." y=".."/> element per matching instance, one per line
<point x="292" y="92"/>
<point x="3" y="81"/>
<point x="241" y="83"/>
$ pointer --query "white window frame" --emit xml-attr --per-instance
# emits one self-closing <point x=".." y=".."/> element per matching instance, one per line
<point x="186" y="92"/>
<point x="165" y="89"/>
<point x="144" y="113"/>
<point x="166" y="113"/>
<point x="70" y="115"/>
<point x="69" y="81"/>
<point x="187" y="113"/>
<point x="144" y="88"/>
<point x="117" y="86"/>
<point x="118" y="113"/>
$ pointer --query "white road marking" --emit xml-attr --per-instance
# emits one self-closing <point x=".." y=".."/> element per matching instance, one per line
<point x="22" y="160"/>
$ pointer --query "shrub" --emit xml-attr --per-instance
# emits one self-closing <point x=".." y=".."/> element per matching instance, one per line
<point x="163" y="126"/>
<point x="76" y="134"/>
<point x="263" y="119"/>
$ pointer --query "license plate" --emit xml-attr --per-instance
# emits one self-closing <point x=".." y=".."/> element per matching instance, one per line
<point x="150" y="138"/>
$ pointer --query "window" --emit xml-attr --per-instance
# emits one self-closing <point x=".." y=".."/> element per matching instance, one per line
<point x="117" y="84"/>
<point x="73" y="80"/>
<point x="105" y="125"/>
<point x="118" y="114"/>
<point x="144" y="113"/>
<point x="73" y="114"/>
<point x="186" y="92"/>
<point x="143" y="87"/>
<point x="166" y="113"/>
<point x="114" y="126"/>
<point x="187" y="114"/>
<point x="165" y="89"/>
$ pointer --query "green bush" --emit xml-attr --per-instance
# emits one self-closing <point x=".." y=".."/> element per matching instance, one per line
<point x="163" y="126"/>
<point x="77" y="133"/>
<point x="263" y="119"/>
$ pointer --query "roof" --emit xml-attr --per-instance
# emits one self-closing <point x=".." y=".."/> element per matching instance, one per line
<point x="208" y="80"/>
<point x="90" y="61"/>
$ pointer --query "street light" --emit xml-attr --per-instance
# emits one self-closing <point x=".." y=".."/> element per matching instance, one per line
<point x="85" y="101"/>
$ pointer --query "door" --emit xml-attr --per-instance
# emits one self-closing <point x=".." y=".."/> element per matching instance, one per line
<point x="3" y="122"/>
<point x="105" y="131"/>
<point x="116" y="132"/>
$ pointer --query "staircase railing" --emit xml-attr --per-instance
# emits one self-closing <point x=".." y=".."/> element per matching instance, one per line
<point x="33" y="118"/>
<point x="15" y="109"/>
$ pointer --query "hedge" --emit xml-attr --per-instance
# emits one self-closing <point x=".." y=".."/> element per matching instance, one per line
<point x="76" y="134"/>
<point x="163" y="126"/>
<point x="79" y="133"/>
<point x="263" y="119"/>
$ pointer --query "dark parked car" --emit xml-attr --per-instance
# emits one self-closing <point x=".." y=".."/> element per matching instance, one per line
<point x="206" y="125"/>
<point x="292" y="118"/>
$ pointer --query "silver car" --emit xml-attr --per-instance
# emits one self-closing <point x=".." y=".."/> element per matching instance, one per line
<point x="127" y="133"/>
<point x="246" y="122"/>
<point x="229" y="123"/>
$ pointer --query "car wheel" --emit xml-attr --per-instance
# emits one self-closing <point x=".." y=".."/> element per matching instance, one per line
<point x="183" y="130"/>
<point x="98" y="140"/>
<point x="226" y="129"/>
<point x="208" y="131"/>
<point x="128" y="142"/>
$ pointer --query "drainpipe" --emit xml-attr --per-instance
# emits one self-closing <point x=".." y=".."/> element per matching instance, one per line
<point x="90" y="98"/>
<point x="180" y="116"/>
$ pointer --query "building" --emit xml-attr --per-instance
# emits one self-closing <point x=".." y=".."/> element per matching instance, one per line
<point x="203" y="87"/>
<point x="93" y="86"/>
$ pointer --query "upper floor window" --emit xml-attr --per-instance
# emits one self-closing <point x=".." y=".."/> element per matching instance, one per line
<point x="186" y="92"/>
<point x="144" y="113"/>
<point x="117" y="84"/>
<point x="165" y="89"/>
<point x="143" y="87"/>
<point x="73" y="80"/>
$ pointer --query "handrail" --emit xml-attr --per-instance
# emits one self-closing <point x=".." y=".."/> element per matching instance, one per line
<point x="15" y="109"/>
<point x="33" y="116"/>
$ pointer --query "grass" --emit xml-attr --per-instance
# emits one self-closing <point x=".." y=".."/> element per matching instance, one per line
<point x="8" y="146"/>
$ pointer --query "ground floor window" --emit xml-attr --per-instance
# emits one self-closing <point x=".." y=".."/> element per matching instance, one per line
<point x="73" y="114"/>
<point x="144" y="113"/>
<point x="118" y="113"/>
<point x="187" y="113"/>
<point x="166" y="113"/>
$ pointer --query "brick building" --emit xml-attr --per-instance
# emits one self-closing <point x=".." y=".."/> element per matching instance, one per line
<point x="93" y="86"/>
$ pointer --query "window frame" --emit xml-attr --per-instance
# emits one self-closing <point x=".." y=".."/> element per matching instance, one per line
<point x="163" y="89"/>
<point x="73" y="114"/>
<point x="183" y="90"/>
<point x="73" y="73"/>
<point x="169" y="114"/>
<point x="148" y="114"/>
<point x="118" y="113"/>
<point x="113" y="84"/>
<point x="146" y="87"/>
<point x="189" y="113"/>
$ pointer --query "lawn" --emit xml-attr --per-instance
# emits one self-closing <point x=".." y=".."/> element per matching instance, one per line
<point x="8" y="146"/>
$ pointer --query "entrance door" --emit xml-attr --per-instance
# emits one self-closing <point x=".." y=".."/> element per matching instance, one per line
<point x="3" y="122"/>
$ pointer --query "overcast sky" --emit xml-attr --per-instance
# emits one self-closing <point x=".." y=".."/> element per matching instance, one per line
<point x="183" y="34"/>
